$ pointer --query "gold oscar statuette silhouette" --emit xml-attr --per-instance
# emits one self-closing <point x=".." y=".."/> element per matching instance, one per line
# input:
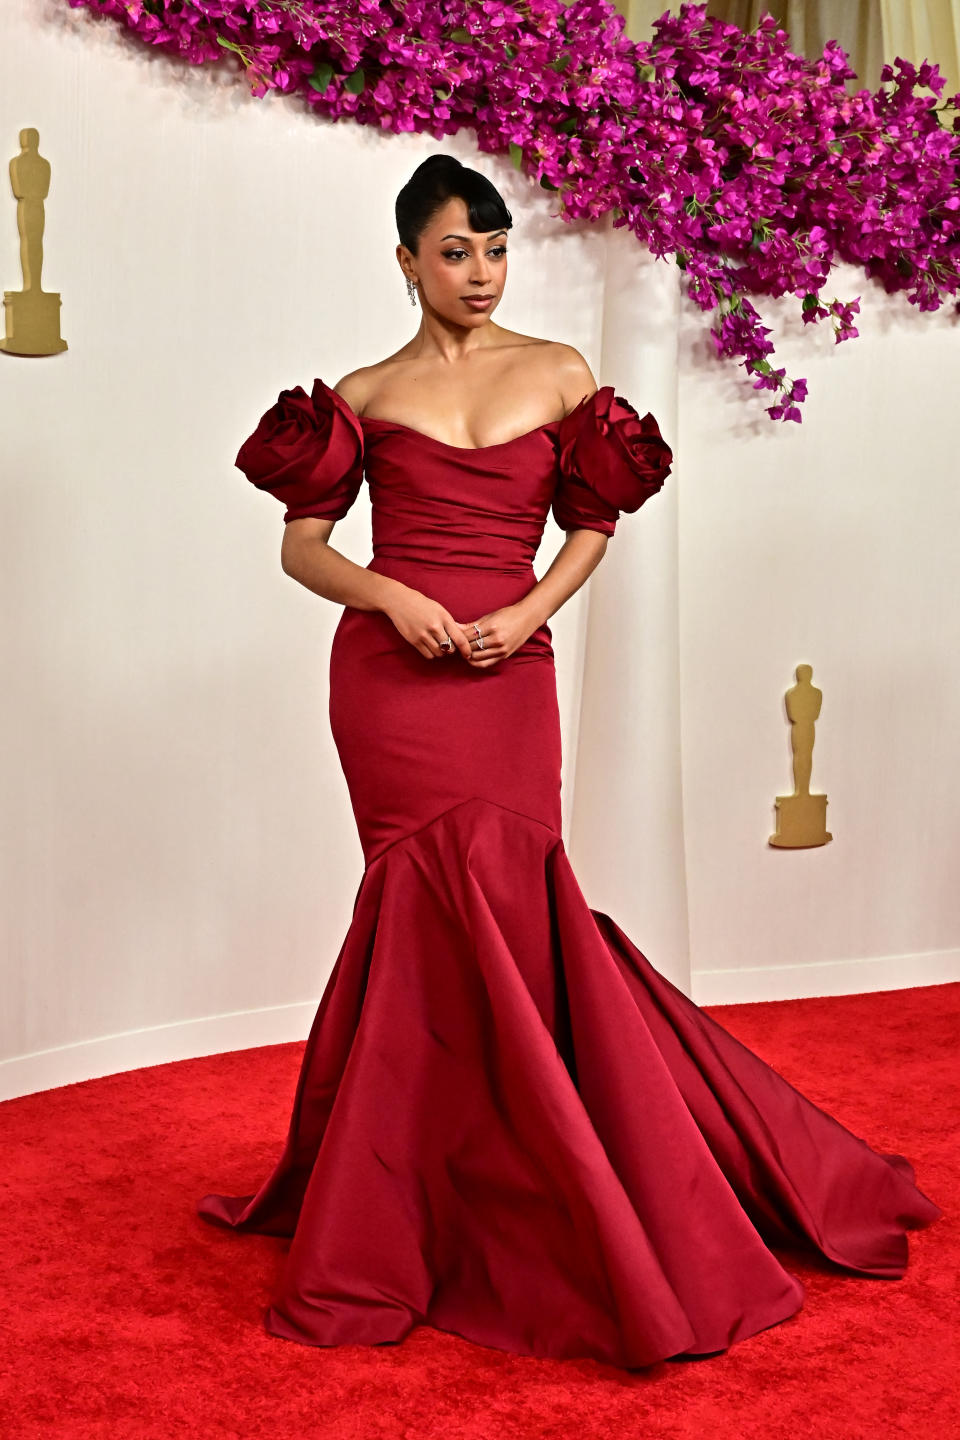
<point x="802" y="817"/>
<point x="32" y="314"/>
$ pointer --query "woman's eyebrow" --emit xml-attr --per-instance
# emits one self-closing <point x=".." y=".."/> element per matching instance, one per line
<point x="467" y="237"/>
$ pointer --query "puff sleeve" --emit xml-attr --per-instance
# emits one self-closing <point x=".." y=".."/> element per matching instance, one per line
<point x="609" y="460"/>
<point x="308" y="452"/>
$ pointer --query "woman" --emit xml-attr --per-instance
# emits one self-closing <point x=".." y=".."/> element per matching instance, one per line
<point x="508" y="1125"/>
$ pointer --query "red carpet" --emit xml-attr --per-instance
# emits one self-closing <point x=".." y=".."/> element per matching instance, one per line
<point x="123" y="1314"/>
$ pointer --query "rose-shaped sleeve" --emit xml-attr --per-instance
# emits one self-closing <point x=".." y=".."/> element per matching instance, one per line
<point x="308" y="452"/>
<point x="609" y="460"/>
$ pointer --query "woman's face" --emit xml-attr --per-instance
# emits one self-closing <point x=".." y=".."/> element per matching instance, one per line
<point x="454" y="263"/>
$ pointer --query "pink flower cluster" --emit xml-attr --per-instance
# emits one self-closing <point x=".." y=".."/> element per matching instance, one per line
<point x="756" y="169"/>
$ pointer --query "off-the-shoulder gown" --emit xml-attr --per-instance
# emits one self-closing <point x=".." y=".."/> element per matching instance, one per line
<point x="508" y="1124"/>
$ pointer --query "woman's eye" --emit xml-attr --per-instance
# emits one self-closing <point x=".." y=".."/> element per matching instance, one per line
<point x="496" y="253"/>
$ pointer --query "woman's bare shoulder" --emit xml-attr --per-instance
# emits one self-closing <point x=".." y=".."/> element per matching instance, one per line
<point x="355" y="387"/>
<point x="560" y="366"/>
<point x="572" y="375"/>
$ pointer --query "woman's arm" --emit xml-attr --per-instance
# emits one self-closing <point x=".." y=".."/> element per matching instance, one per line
<point x="582" y="550"/>
<point x="306" y="555"/>
<point x="574" y="563"/>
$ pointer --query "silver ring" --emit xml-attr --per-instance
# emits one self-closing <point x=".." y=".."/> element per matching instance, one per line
<point x="479" y="637"/>
<point x="446" y="644"/>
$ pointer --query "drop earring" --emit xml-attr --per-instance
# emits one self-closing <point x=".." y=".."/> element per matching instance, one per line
<point x="411" y="291"/>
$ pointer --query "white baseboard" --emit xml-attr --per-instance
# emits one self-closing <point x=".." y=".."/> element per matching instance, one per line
<point x="157" y="1045"/>
<point x="280" y="1024"/>
<point x="826" y="977"/>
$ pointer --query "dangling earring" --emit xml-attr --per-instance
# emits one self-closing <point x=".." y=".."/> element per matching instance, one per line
<point x="411" y="291"/>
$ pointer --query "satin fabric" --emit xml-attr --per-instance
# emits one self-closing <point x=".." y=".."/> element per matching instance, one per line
<point x="508" y="1124"/>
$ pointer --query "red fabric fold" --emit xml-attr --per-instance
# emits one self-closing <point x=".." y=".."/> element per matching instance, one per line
<point x="308" y="452"/>
<point x="510" y="1126"/>
<point x="610" y="460"/>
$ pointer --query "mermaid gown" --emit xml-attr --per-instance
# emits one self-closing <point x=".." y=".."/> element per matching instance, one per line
<point x="507" y="1124"/>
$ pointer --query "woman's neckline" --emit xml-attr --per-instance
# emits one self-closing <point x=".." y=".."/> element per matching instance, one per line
<point x="446" y="445"/>
<point x="464" y="449"/>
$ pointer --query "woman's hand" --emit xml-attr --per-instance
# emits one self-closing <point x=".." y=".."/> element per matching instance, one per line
<point x="425" y="623"/>
<point x="503" y="631"/>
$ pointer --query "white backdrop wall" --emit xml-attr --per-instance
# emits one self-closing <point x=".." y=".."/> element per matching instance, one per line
<point x="835" y="543"/>
<point x="180" y="859"/>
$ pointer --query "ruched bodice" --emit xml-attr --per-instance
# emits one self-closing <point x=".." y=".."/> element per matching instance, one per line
<point x="433" y="501"/>
<point x="442" y="504"/>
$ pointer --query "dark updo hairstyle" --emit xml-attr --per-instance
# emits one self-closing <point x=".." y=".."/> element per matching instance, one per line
<point x="432" y="184"/>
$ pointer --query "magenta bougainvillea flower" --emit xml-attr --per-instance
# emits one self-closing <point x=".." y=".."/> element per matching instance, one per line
<point x="755" y="169"/>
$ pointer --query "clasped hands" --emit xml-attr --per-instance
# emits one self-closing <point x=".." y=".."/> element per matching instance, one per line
<point x="426" y="624"/>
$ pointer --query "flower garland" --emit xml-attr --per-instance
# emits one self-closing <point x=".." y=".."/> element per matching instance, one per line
<point x="754" y="168"/>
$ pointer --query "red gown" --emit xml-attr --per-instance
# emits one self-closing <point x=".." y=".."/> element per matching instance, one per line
<point x="508" y="1124"/>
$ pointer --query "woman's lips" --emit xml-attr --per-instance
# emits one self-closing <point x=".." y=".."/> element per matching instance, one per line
<point x="478" y="302"/>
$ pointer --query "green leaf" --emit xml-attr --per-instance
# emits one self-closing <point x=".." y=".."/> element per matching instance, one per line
<point x="810" y="302"/>
<point x="561" y="63"/>
<point x="510" y="51"/>
<point x="516" y="155"/>
<point x="569" y="124"/>
<point x="547" y="184"/>
<point x="646" y="72"/>
<point x="462" y="34"/>
<point x="321" y="77"/>
<point x="355" y="81"/>
<point x="237" y="50"/>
